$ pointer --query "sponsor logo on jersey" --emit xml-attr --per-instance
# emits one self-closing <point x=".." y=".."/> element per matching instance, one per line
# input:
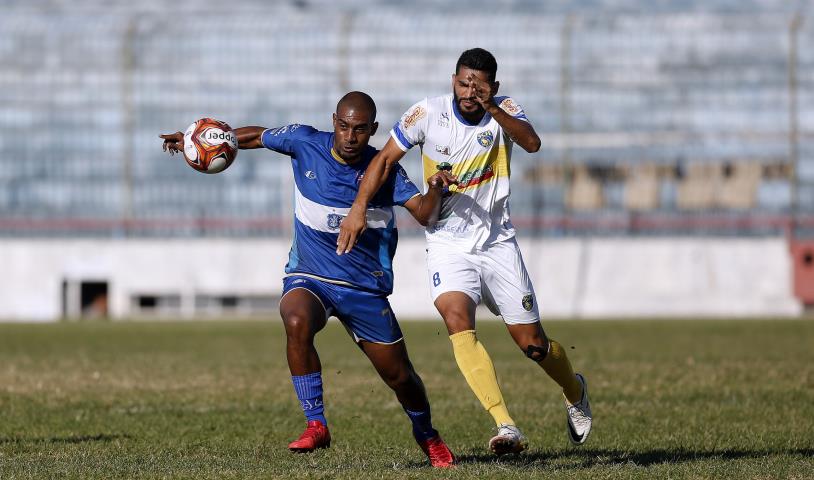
<point x="310" y="175"/>
<point x="509" y="106"/>
<point x="442" y="149"/>
<point x="475" y="177"/>
<point x="334" y="220"/>
<point x="283" y="129"/>
<point x="486" y="138"/>
<point x="528" y="302"/>
<point x="443" y="120"/>
<point x="412" y="117"/>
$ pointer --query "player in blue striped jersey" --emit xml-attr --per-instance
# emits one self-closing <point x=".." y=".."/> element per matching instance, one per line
<point x="328" y="168"/>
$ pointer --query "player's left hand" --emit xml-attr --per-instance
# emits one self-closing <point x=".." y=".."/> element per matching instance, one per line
<point x="484" y="91"/>
<point x="350" y="230"/>
<point x="173" y="142"/>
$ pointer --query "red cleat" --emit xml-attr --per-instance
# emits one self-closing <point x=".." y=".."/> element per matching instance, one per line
<point x="437" y="451"/>
<point x="316" y="435"/>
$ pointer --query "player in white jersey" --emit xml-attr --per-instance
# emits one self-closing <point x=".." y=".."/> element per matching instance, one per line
<point x="472" y="255"/>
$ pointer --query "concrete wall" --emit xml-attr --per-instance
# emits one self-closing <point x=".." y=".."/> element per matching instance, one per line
<point x="573" y="277"/>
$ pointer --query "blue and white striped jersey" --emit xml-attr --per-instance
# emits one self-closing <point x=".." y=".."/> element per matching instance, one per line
<point x="324" y="189"/>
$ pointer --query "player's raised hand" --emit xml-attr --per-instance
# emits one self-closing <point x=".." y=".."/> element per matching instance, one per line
<point x="484" y="90"/>
<point x="350" y="230"/>
<point x="173" y="142"/>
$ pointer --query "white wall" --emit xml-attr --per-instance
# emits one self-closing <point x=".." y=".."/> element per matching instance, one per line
<point x="572" y="277"/>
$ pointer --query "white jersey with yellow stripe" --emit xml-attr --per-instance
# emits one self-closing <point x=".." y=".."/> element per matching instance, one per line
<point x="476" y="213"/>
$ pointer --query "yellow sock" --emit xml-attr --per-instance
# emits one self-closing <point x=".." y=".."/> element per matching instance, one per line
<point x="557" y="366"/>
<point x="479" y="372"/>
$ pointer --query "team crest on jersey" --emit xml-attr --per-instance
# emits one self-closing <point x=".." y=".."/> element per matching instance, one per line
<point x="528" y="302"/>
<point x="486" y="138"/>
<point x="413" y="116"/>
<point x="334" y="221"/>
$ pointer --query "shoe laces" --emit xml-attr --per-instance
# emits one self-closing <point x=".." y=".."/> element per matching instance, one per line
<point x="508" y="431"/>
<point x="577" y="414"/>
<point x="314" y="430"/>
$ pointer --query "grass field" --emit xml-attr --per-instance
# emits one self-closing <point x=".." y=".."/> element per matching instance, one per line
<point x="674" y="399"/>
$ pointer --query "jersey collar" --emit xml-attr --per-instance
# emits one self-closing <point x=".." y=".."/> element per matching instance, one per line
<point x="337" y="157"/>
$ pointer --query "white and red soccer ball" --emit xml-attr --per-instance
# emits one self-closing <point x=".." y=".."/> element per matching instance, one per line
<point x="210" y="145"/>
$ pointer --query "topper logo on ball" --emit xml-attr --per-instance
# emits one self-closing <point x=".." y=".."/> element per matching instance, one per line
<point x="216" y="134"/>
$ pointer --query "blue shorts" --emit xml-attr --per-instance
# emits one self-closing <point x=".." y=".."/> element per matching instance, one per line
<point x="366" y="315"/>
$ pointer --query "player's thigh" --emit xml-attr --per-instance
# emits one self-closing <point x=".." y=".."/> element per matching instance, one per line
<point x="303" y="306"/>
<point x="367" y="316"/>
<point x="510" y="291"/>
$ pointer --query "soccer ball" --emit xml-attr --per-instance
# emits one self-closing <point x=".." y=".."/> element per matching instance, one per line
<point x="210" y="145"/>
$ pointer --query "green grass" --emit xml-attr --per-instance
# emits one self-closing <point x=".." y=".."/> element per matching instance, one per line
<point x="672" y="399"/>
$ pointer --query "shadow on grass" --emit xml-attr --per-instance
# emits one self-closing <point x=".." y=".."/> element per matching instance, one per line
<point x="583" y="458"/>
<point x="102" y="437"/>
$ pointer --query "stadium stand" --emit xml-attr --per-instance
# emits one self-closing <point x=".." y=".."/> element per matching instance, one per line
<point x="83" y="97"/>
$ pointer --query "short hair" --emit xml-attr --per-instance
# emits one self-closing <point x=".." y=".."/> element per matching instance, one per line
<point x="478" y="59"/>
<point x="358" y="100"/>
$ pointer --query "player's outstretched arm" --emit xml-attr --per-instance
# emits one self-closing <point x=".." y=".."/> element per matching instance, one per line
<point x="247" y="138"/>
<point x="425" y="208"/>
<point x="519" y="130"/>
<point x="375" y="175"/>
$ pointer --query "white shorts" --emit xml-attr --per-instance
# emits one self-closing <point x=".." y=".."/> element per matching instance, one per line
<point x="496" y="275"/>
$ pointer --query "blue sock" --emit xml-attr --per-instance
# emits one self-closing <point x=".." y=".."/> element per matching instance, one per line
<point x="309" y="392"/>
<point x="422" y="424"/>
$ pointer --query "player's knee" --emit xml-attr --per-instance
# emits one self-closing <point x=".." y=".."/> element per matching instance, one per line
<point x="537" y="353"/>
<point x="399" y="378"/>
<point x="298" y="326"/>
<point x="457" y="320"/>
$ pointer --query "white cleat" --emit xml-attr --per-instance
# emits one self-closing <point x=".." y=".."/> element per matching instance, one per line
<point x="509" y="439"/>
<point x="579" y="415"/>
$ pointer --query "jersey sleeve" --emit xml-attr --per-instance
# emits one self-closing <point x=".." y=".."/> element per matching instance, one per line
<point x="411" y="128"/>
<point x="284" y="139"/>
<point x="508" y="105"/>
<point x="403" y="188"/>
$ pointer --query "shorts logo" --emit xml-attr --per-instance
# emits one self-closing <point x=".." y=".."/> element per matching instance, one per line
<point x="528" y="302"/>
<point x="413" y="117"/>
<point x="486" y="138"/>
<point x="377" y="273"/>
<point x="334" y="220"/>
<point x="310" y="175"/>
